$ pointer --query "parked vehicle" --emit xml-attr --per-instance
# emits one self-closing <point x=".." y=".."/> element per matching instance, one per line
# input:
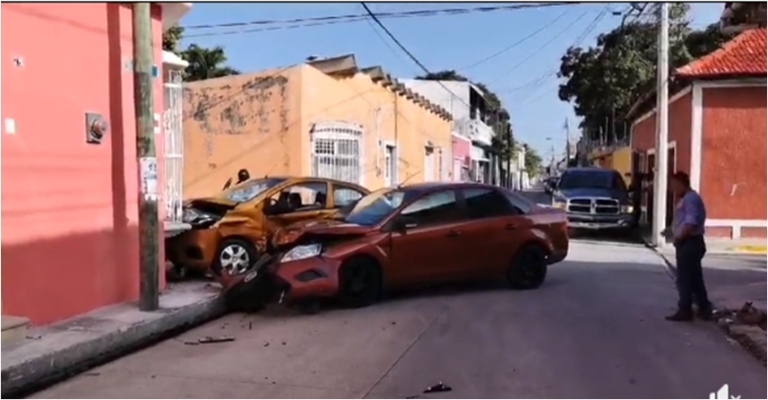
<point x="233" y="229"/>
<point x="549" y="184"/>
<point x="594" y="198"/>
<point x="418" y="234"/>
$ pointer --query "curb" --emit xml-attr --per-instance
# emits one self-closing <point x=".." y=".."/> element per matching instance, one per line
<point x="37" y="373"/>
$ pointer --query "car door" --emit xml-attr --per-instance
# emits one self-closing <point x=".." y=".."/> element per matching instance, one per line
<point x="426" y="250"/>
<point x="492" y="232"/>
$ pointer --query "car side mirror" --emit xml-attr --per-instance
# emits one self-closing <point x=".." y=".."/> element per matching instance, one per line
<point x="402" y="224"/>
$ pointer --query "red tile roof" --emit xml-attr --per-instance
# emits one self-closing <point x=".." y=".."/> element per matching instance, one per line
<point x="744" y="55"/>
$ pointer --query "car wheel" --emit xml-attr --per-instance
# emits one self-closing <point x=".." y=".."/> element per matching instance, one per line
<point x="528" y="269"/>
<point x="360" y="282"/>
<point x="236" y="256"/>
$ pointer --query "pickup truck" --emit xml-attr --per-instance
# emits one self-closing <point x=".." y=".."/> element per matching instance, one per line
<point x="594" y="198"/>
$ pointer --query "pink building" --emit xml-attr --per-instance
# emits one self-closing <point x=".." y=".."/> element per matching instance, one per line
<point x="462" y="149"/>
<point x="69" y="203"/>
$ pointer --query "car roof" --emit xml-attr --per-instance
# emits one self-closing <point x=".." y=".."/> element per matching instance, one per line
<point x="424" y="187"/>
<point x="589" y="169"/>
<point x="303" y="178"/>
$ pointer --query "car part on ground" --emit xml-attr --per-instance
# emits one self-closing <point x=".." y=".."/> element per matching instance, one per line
<point x="413" y="235"/>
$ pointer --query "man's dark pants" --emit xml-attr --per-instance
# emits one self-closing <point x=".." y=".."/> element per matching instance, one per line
<point x="690" y="274"/>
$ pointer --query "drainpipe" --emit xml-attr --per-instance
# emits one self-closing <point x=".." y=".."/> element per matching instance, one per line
<point x="378" y="141"/>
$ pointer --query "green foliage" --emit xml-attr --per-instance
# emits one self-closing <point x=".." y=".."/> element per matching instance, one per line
<point x="604" y="81"/>
<point x="532" y="160"/>
<point x="204" y="63"/>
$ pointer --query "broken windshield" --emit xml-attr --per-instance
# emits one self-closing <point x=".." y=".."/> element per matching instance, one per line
<point x="249" y="190"/>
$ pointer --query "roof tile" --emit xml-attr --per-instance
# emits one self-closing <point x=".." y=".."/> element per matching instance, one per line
<point x="744" y="55"/>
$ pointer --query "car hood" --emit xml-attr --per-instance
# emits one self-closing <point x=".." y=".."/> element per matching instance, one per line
<point x="317" y="228"/>
<point x="214" y="201"/>
<point x="594" y="192"/>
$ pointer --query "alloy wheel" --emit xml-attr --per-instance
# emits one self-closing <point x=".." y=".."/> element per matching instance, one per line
<point x="234" y="259"/>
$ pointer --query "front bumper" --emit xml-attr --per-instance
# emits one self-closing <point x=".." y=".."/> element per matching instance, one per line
<point x="315" y="277"/>
<point x="600" y="222"/>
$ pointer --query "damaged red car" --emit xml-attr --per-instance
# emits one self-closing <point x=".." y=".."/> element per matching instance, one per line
<point x="413" y="235"/>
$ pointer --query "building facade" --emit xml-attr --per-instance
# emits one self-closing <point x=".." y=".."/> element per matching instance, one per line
<point x="70" y="191"/>
<point x="717" y="134"/>
<point x="325" y="118"/>
<point x="470" y="112"/>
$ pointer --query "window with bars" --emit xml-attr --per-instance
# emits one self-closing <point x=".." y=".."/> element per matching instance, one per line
<point x="337" y="151"/>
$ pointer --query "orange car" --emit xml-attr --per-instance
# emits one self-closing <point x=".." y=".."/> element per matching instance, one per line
<point x="412" y="235"/>
<point x="231" y="230"/>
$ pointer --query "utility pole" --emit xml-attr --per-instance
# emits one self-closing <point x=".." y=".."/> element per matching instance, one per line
<point x="662" y="125"/>
<point x="143" y="57"/>
<point x="567" y="144"/>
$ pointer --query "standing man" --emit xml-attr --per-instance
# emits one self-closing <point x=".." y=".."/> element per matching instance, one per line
<point x="690" y="248"/>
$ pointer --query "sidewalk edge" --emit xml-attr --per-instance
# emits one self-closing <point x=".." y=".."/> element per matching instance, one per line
<point x="40" y="372"/>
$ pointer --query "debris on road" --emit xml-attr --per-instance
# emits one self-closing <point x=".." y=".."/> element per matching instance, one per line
<point x="747" y="327"/>
<point x="210" y="340"/>
<point x="440" y="387"/>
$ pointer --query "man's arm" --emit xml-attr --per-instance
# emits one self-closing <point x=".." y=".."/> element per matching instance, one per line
<point x="693" y="213"/>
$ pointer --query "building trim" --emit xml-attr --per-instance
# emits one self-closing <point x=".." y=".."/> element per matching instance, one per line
<point x="697" y="132"/>
<point x="671" y="145"/>
<point x="736" y="225"/>
<point x="672" y="99"/>
<point x="732" y="83"/>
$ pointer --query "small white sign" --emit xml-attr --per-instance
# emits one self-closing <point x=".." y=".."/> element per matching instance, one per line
<point x="10" y="126"/>
<point x="148" y="175"/>
<point x="723" y="393"/>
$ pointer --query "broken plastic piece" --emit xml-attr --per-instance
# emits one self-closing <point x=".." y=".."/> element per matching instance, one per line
<point x="440" y="387"/>
<point x="221" y="339"/>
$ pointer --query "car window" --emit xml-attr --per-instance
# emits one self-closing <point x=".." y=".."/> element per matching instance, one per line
<point x="522" y="204"/>
<point x="376" y="206"/>
<point x="486" y="203"/>
<point x="344" y="196"/>
<point x="588" y="179"/>
<point x="302" y="197"/>
<point x="434" y="209"/>
<point x="249" y="190"/>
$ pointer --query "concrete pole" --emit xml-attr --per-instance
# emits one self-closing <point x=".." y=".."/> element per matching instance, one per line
<point x="143" y="58"/>
<point x="662" y="126"/>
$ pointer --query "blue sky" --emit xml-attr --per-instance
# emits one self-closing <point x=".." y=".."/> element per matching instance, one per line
<point x="440" y="42"/>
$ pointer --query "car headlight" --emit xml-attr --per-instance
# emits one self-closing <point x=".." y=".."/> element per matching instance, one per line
<point x="302" y="252"/>
<point x="627" y="209"/>
<point x="558" y="203"/>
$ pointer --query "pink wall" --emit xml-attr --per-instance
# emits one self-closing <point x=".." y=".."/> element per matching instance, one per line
<point x="461" y="147"/>
<point x="69" y="209"/>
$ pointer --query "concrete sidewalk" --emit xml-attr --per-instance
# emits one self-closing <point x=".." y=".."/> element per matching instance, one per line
<point x="60" y="350"/>
<point x="733" y="280"/>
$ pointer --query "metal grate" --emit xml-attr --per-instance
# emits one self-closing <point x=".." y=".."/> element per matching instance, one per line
<point x="337" y="151"/>
<point x="174" y="146"/>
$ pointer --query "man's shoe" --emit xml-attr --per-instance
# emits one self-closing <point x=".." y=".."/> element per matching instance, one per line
<point x="680" y="316"/>
<point x="705" y="315"/>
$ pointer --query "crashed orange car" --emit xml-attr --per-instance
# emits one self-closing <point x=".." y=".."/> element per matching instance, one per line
<point x="417" y="234"/>
<point x="232" y="230"/>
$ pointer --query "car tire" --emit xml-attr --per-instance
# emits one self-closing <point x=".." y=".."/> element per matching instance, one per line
<point x="241" y="249"/>
<point x="360" y="282"/>
<point x="528" y="269"/>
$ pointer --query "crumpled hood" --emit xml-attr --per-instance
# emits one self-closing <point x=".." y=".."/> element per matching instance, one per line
<point x="301" y="229"/>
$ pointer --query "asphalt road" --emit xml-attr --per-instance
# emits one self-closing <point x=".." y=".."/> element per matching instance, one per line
<point x="595" y="329"/>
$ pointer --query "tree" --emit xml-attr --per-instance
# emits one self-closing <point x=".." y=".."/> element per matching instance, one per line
<point x="204" y="63"/>
<point x="604" y="81"/>
<point x="532" y="160"/>
<point x="172" y="38"/>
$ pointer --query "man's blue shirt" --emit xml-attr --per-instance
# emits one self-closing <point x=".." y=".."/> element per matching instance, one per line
<point x="690" y="211"/>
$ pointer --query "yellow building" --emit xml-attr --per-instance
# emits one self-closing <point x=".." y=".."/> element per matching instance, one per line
<point x="325" y="118"/>
<point x="619" y="159"/>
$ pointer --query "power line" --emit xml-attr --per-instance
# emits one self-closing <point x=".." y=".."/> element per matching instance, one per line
<point x="350" y="18"/>
<point x="513" y="45"/>
<point x="540" y="48"/>
<point x="406" y="51"/>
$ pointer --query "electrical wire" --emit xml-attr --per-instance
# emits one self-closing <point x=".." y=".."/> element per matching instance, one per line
<point x="350" y="18"/>
<point x="515" y="44"/>
<point x="540" y="48"/>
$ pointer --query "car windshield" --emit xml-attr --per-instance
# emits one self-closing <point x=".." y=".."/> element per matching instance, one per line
<point x="248" y="190"/>
<point x="591" y="180"/>
<point x="373" y="208"/>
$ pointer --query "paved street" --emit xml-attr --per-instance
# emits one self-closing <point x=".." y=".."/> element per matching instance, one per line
<point x="594" y="330"/>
